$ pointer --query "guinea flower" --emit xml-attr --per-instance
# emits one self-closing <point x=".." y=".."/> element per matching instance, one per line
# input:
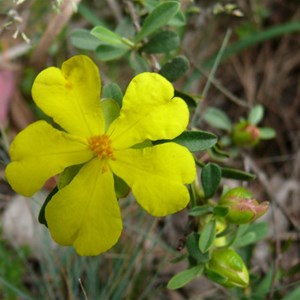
<point x="85" y="213"/>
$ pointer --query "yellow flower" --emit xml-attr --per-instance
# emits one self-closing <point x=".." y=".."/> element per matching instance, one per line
<point x="85" y="213"/>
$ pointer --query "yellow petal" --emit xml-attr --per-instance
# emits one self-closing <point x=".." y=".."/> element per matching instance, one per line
<point x="40" y="152"/>
<point x="71" y="96"/>
<point x="157" y="176"/>
<point x="149" y="111"/>
<point x="86" y="213"/>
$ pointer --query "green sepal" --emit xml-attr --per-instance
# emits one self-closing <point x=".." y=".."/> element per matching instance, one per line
<point x="175" y="68"/>
<point x="67" y="175"/>
<point x="220" y="211"/>
<point x="157" y="18"/>
<point x="207" y="236"/>
<point x="111" y="110"/>
<point x="184" y="277"/>
<point x="113" y="91"/>
<point x="210" y="179"/>
<point x="42" y="218"/>
<point x="162" y="42"/>
<point x="121" y="187"/>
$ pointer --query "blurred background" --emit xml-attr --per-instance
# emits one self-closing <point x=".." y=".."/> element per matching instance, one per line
<point x="260" y="65"/>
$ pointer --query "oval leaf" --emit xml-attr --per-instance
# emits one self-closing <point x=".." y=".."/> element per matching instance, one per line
<point x="108" y="52"/>
<point x="184" y="277"/>
<point x="207" y="236"/>
<point x="210" y="179"/>
<point x="196" y="140"/>
<point x="106" y="35"/>
<point x="175" y="68"/>
<point x="162" y="42"/>
<point x="82" y="39"/>
<point x="256" y="114"/>
<point x="157" y="18"/>
<point x="266" y="133"/>
<point x="217" y="119"/>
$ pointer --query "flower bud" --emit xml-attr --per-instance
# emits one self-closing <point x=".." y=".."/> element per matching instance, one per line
<point x="242" y="207"/>
<point x="227" y="268"/>
<point x="245" y="134"/>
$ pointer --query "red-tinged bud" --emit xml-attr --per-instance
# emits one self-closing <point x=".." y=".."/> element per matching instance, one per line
<point x="242" y="207"/>
<point x="227" y="268"/>
<point x="245" y="134"/>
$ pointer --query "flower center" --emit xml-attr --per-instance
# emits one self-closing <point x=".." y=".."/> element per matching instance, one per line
<point x="101" y="145"/>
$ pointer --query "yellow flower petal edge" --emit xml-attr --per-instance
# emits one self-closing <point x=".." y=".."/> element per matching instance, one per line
<point x="157" y="176"/>
<point x="39" y="152"/>
<point x="71" y="96"/>
<point x="86" y="213"/>
<point x="149" y="111"/>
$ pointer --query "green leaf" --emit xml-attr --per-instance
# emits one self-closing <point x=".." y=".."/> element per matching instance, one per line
<point x="217" y="119"/>
<point x="107" y="36"/>
<point x="293" y="295"/>
<point x="162" y="42"/>
<point x="266" y="133"/>
<point x="253" y="233"/>
<point x="196" y="140"/>
<point x="67" y="175"/>
<point x="184" y="277"/>
<point x="190" y="100"/>
<point x="265" y="285"/>
<point x="210" y="179"/>
<point x="220" y="211"/>
<point x="200" y="210"/>
<point x="192" y="245"/>
<point x="175" y="68"/>
<point x="121" y="187"/>
<point x="178" y="20"/>
<point x="111" y="110"/>
<point x="256" y="114"/>
<point x="231" y="173"/>
<point x="113" y="91"/>
<point x="41" y="217"/>
<point x="82" y="39"/>
<point x="138" y="63"/>
<point x="207" y="236"/>
<point x="157" y="18"/>
<point x="218" y="153"/>
<point x="108" y="52"/>
<point x="216" y="277"/>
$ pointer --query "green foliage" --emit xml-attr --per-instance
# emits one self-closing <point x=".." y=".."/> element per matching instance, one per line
<point x="157" y="18"/>
<point x="217" y="119"/>
<point x="210" y="179"/>
<point x="184" y="277"/>
<point x="175" y="68"/>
